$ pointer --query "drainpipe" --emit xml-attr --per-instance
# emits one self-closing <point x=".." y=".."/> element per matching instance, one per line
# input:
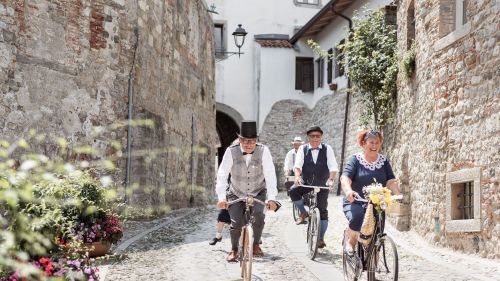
<point x="346" y="113"/>
<point x="191" y="198"/>
<point x="130" y="106"/>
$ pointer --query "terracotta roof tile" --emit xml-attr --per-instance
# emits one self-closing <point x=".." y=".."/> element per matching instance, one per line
<point x="280" y="43"/>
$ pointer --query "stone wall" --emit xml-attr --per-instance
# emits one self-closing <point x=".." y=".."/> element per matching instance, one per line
<point x="65" y="68"/>
<point x="448" y="120"/>
<point x="290" y="118"/>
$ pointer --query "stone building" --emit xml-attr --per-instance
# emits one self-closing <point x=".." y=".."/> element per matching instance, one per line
<point x="312" y="89"/>
<point x="446" y="137"/>
<point x="69" y="66"/>
<point x="444" y="142"/>
<point x="239" y="91"/>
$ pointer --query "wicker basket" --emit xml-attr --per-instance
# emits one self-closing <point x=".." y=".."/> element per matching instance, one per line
<point x="368" y="226"/>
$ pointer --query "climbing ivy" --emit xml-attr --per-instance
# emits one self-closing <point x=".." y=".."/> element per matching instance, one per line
<point x="408" y="63"/>
<point x="372" y="66"/>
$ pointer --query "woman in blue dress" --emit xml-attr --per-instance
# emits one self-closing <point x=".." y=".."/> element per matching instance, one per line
<point x="360" y="171"/>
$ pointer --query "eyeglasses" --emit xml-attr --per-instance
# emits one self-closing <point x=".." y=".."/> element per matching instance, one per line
<point x="314" y="136"/>
<point x="248" y="141"/>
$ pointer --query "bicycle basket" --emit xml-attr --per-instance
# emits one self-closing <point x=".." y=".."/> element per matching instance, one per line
<point x="368" y="226"/>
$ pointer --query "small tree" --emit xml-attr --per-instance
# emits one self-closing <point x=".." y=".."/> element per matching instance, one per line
<point x="372" y="66"/>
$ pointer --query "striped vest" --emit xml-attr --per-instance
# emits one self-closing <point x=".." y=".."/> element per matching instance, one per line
<point x="247" y="180"/>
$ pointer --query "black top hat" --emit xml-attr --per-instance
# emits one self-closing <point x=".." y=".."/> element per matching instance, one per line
<point x="248" y="130"/>
<point x="314" y="129"/>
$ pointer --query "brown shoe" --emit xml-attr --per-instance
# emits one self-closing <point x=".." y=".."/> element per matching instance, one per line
<point x="321" y="244"/>
<point x="233" y="256"/>
<point x="257" y="251"/>
<point x="302" y="218"/>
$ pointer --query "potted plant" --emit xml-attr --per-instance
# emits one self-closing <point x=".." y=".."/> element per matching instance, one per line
<point x="333" y="86"/>
<point x="97" y="237"/>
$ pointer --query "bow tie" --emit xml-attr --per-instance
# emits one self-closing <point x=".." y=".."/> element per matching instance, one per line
<point x="245" y="153"/>
<point x="317" y="148"/>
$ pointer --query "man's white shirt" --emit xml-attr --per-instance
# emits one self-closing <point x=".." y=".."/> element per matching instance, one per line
<point x="289" y="160"/>
<point x="330" y="157"/>
<point x="267" y="167"/>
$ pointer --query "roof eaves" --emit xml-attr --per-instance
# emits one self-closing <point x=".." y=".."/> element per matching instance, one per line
<point x="311" y="22"/>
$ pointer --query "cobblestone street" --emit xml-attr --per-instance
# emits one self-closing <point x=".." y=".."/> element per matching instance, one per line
<point x="176" y="248"/>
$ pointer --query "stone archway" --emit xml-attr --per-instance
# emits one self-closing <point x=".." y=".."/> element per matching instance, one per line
<point x="227" y="120"/>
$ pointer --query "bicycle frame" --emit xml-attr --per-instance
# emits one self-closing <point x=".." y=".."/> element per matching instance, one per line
<point x="365" y="253"/>
<point x="246" y="238"/>
<point x="313" y="227"/>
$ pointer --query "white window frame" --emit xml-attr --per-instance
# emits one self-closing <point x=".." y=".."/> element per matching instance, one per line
<point x="460" y="13"/>
<point x="457" y="177"/>
<point x="307" y="3"/>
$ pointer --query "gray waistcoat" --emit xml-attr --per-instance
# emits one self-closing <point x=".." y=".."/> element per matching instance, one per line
<point x="247" y="180"/>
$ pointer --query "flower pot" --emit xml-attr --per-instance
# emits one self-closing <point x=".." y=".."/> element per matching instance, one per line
<point x="333" y="86"/>
<point x="96" y="249"/>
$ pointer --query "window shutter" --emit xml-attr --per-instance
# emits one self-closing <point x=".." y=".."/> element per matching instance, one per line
<point x="298" y="74"/>
<point x="329" y="67"/>
<point x="390" y="13"/>
<point x="321" y="71"/>
<point x="308" y="76"/>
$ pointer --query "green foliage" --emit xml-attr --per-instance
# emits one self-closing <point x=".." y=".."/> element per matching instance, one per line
<point x="408" y="63"/>
<point x="372" y="65"/>
<point x="41" y="200"/>
<point x="371" y="60"/>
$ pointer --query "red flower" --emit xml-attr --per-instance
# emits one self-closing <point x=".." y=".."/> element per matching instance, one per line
<point x="46" y="264"/>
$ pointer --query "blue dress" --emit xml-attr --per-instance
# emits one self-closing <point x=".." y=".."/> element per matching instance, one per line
<point x="363" y="173"/>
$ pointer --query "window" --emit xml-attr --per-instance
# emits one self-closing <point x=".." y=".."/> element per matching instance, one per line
<point x="307" y="2"/>
<point x="329" y="67"/>
<point x="452" y="15"/>
<point x="320" y="63"/>
<point x="219" y="40"/>
<point x="339" y="59"/>
<point x="460" y="13"/>
<point x="464" y="203"/>
<point x="391" y="15"/>
<point x="304" y="74"/>
<point x="410" y="28"/>
<point x="463" y="194"/>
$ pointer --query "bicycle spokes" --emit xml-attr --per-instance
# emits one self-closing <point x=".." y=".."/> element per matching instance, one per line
<point x="383" y="264"/>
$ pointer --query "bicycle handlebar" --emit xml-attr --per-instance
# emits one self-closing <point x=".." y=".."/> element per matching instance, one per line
<point x="244" y="199"/>
<point x="393" y="197"/>
<point x="310" y="186"/>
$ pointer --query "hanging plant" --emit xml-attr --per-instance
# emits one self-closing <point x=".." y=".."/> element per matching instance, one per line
<point x="408" y="64"/>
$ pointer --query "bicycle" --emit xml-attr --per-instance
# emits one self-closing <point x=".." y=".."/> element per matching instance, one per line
<point x="372" y="258"/>
<point x="245" y="248"/>
<point x="313" y="227"/>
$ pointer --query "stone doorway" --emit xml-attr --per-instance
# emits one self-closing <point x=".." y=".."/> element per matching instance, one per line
<point x="227" y="129"/>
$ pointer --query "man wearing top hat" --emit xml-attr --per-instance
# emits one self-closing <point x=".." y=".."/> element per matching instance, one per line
<point x="290" y="161"/>
<point x="252" y="173"/>
<point x="316" y="165"/>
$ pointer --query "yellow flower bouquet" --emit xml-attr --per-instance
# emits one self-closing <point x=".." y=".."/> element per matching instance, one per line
<point x="379" y="195"/>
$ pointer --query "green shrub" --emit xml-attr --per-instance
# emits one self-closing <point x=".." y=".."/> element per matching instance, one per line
<point x="408" y="64"/>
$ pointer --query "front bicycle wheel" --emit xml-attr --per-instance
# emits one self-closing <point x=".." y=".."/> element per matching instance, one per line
<point x="246" y="253"/>
<point x="384" y="264"/>
<point x="296" y="212"/>
<point x="351" y="264"/>
<point x="313" y="233"/>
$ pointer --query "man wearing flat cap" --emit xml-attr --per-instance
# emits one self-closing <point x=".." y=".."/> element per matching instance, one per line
<point x="252" y="173"/>
<point x="315" y="165"/>
<point x="290" y="161"/>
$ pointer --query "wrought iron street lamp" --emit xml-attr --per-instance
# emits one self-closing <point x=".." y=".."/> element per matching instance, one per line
<point x="239" y="39"/>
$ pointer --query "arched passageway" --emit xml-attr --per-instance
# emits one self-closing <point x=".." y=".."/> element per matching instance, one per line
<point x="227" y="129"/>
